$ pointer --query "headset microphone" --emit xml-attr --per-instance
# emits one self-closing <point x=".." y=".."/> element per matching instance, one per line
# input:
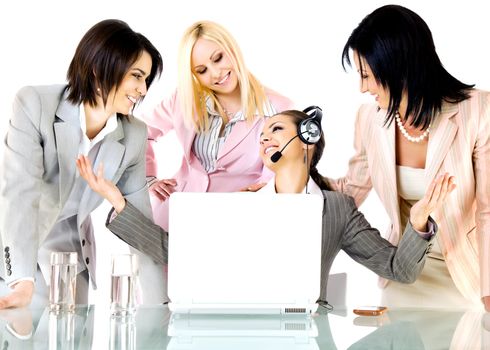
<point x="278" y="154"/>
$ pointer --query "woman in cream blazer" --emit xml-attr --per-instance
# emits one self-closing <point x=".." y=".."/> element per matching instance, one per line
<point x="431" y="123"/>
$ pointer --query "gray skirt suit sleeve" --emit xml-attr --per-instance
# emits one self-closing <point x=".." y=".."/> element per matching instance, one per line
<point x="344" y="227"/>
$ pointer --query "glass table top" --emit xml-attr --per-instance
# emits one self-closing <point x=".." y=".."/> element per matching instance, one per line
<point x="155" y="327"/>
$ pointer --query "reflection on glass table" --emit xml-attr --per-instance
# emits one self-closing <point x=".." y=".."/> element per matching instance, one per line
<point x="154" y="327"/>
<point x="36" y="328"/>
<point x="197" y="331"/>
<point x="123" y="332"/>
<point x="425" y="329"/>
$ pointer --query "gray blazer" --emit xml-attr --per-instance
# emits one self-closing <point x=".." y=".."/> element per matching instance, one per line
<point x="39" y="169"/>
<point x="344" y="227"/>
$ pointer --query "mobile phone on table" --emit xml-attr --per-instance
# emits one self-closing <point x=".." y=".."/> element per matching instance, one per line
<point x="370" y="310"/>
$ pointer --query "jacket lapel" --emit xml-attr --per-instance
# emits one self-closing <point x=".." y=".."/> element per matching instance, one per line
<point x="110" y="154"/>
<point x="384" y="164"/>
<point x="239" y="132"/>
<point x="67" y="134"/>
<point x="188" y="135"/>
<point x="442" y="135"/>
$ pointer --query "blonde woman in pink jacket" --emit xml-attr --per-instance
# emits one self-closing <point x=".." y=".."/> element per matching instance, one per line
<point x="217" y="113"/>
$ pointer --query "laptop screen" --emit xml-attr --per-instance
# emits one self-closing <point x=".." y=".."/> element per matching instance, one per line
<point x="259" y="253"/>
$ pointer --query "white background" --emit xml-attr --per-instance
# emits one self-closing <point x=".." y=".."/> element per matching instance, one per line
<point x="293" y="47"/>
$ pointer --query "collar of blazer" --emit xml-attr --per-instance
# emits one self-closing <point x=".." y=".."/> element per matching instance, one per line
<point x="443" y="131"/>
<point x="240" y="131"/>
<point x="111" y="153"/>
<point x="67" y="134"/>
<point x="442" y="135"/>
<point x="67" y="111"/>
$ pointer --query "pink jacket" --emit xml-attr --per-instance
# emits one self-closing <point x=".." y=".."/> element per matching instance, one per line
<point x="459" y="143"/>
<point x="238" y="164"/>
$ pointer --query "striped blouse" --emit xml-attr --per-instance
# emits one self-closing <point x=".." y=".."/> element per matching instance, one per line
<point x="206" y="145"/>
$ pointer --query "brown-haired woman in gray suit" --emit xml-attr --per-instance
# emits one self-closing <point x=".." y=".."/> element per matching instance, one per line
<point x="44" y="206"/>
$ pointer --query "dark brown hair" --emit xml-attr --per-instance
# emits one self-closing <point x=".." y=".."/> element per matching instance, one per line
<point x="297" y="117"/>
<point x="102" y="59"/>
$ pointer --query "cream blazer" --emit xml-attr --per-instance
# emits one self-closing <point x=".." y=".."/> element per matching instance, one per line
<point x="459" y="143"/>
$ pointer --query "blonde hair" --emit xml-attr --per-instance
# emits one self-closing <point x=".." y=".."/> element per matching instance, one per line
<point x="192" y="95"/>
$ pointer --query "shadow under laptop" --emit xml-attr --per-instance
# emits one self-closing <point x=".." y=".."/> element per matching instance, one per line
<point x="199" y="331"/>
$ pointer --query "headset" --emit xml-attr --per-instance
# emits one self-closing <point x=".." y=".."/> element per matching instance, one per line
<point x="310" y="130"/>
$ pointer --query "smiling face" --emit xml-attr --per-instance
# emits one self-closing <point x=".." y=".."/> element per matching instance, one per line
<point x="133" y="86"/>
<point x="277" y="132"/>
<point x="369" y="84"/>
<point x="213" y="68"/>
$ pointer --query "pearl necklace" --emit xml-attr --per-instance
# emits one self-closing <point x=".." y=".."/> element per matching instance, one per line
<point x="406" y="134"/>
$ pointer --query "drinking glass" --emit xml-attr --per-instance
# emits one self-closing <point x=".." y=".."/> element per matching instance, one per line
<point x="62" y="288"/>
<point x="123" y="284"/>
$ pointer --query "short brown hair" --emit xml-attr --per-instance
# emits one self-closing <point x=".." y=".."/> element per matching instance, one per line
<point x="103" y="57"/>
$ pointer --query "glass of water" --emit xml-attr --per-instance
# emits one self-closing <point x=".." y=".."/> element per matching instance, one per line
<point x="62" y="288"/>
<point x="123" y="284"/>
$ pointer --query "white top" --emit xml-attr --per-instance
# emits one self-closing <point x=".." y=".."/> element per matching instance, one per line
<point x="411" y="182"/>
<point x="411" y="188"/>
<point x="313" y="188"/>
<point x="86" y="144"/>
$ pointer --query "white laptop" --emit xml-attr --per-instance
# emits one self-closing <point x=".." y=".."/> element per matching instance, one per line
<point x="244" y="253"/>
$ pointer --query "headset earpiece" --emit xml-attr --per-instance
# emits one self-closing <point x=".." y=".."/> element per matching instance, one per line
<point x="310" y="130"/>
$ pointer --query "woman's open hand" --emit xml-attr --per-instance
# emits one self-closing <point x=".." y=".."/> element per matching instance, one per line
<point x="432" y="200"/>
<point x="99" y="184"/>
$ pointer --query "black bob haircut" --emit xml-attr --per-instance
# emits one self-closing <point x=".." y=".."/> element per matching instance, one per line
<point x="103" y="57"/>
<point x="397" y="45"/>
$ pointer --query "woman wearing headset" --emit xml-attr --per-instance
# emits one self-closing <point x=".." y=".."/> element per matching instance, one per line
<point x="291" y="144"/>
